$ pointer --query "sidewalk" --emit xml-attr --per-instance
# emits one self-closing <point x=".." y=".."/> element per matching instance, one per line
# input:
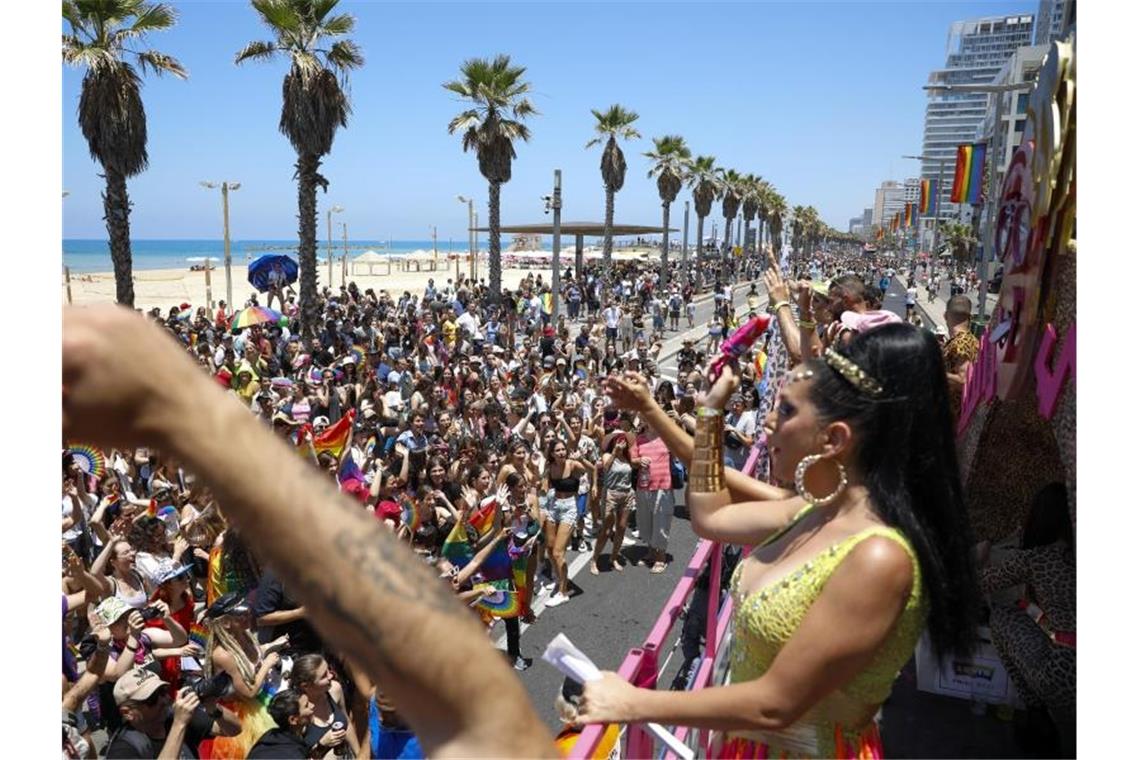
<point x="933" y="312"/>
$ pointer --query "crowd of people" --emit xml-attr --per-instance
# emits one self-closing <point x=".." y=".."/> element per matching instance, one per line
<point x="491" y="440"/>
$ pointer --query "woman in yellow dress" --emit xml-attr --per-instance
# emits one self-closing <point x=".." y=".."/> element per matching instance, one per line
<point x="873" y="546"/>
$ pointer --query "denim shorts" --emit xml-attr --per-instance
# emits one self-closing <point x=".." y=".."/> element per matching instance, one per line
<point x="562" y="511"/>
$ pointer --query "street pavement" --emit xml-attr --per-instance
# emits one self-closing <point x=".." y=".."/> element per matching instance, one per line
<point x="612" y="612"/>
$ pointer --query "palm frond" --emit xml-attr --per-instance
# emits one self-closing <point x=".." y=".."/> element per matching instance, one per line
<point x="151" y="18"/>
<point x="459" y="88"/>
<point x="345" y="55"/>
<point x="279" y="15"/>
<point x="465" y="120"/>
<point x="339" y="25"/>
<point x="257" y="51"/>
<point x="160" y="63"/>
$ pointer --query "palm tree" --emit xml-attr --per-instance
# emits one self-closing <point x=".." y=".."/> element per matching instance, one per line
<point x="749" y="202"/>
<point x="111" y="114"/>
<point x="960" y="240"/>
<point x="496" y="92"/>
<point x="670" y="158"/>
<point x="798" y="219"/>
<point x="777" y="209"/>
<point x="764" y="194"/>
<point x="314" y="104"/>
<point x="704" y="179"/>
<point x="729" y="204"/>
<point x="611" y="125"/>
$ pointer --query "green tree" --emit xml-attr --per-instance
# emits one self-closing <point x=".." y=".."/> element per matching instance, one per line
<point x="729" y="204"/>
<point x="497" y="95"/>
<point x="111" y="114"/>
<point x="314" y="105"/>
<point x="749" y="203"/>
<point x="777" y="210"/>
<point x="704" y="180"/>
<point x="961" y="241"/>
<point x="610" y="126"/>
<point x="670" y="157"/>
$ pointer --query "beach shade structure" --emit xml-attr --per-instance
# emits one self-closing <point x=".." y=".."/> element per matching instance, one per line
<point x="260" y="268"/>
<point x="255" y="315"/>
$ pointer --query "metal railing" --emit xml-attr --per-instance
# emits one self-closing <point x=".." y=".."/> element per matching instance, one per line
<point x="642" y="667"/>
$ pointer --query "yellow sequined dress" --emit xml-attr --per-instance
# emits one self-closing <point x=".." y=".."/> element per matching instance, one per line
<point x="843" y="724"/>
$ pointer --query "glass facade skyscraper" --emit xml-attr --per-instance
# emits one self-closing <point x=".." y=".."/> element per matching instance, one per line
<point x="976" y="51"/>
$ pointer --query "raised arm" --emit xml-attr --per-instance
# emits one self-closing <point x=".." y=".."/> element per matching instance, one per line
<point x="632" y="393"/>
<point x="344" y="567"/>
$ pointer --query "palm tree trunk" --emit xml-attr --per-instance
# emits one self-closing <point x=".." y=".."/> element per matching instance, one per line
<point x="496" y="262"/>
<point x="608" y="239"/>
<point x="744" y="236"/>
<point x="116" y="212"/>
<point x="307" y="166"/>
<point x="700" y="252"/>
<point x="664" y="245"/>
<point x="726" y="248"/>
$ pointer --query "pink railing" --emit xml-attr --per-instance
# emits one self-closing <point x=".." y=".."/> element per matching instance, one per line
<point x="641" y="666"/>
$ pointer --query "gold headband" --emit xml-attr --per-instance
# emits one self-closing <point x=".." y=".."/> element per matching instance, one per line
<point x="852" y="373"/>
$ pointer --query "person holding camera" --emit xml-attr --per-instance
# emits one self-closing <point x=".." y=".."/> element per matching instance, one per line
<point x="156" y="728"/>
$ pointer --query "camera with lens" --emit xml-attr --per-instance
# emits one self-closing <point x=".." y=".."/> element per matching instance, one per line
<point x="207" y="688"/>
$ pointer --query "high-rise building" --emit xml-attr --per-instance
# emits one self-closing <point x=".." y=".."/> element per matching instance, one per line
<point x="890" y="197"/>
<point x="868" y="215"/>
<point x="1022" y="66"/>
<point x="855" y="225"/>
<point x="1050" y="21"/>
<point x="976" y="51"/>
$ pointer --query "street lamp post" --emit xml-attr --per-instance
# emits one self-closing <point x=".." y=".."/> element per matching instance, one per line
<point x="470" y="235"/>
<point x="331" y="211"/>
<point x="344" y="258"/>
<point x="992" y="199"/>
<point x="226" y="187"/>
<point x="554" y="203"/>
<point x="685" y="243"/>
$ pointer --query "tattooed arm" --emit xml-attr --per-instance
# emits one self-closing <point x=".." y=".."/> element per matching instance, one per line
<point x="348" y="572"/>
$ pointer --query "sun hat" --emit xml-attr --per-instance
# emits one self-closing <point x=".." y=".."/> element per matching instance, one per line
<point x="137" y="685"/>
<point x="111" y="609"/>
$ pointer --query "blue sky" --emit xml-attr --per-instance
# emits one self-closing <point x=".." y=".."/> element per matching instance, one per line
<point x="821" y="99"/>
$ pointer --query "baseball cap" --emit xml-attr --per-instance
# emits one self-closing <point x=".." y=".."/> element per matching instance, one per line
<point x="321" y="421"/>
<point x="111" y="609"/>
<point x="136" y="685"/>
<point x="548" y="361"/>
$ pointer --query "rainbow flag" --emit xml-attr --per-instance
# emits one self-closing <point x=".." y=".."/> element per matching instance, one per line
<point x="456" y="548"/>
<point x="483" y="518"/>
<point x="199" y="635"/>
<point x="894" y="222"/>
<point x="503" y="602"/>
<point x="497" y="566"/>
<point x="349" y="473"/>
<point x="548" y="303"/>
<point x="215" y="577"/>
<point x="336" y="437"/>
<point x="906" y="214"/>
<point x="927" y="190"/>
<point x="152" y="509"/>
<point x="967" y="187"/>
<point x="409" y="515"/>
<point x="879" y="234"/>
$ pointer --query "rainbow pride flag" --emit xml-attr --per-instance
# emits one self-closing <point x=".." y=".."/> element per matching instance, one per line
<point x="409" y="515"/>
<point x="907" y="215"/>
<point x="456" y="548"/>
<point x="349" y="474"/>
<point x="548" y="303"/>
<point x="967" y="187"/>
<point x="199" y="635"/>
<point x="336" y="437"/>
<point x="483" y="518"/>
<point x="926" y="192"/>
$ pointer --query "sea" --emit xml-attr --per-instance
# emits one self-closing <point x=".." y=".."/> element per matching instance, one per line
<point x="95" y="255"/>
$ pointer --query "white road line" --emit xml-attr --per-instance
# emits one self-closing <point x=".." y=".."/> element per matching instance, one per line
<point x="539" y="606"/>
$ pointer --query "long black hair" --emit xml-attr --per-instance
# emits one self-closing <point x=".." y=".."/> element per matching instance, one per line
<point x="906" y="454"/>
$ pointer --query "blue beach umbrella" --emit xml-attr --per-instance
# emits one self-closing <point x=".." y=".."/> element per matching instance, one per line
<point x="260" y="268"/>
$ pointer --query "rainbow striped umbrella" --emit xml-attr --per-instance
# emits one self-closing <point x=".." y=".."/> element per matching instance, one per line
<point x="255" y="315"/>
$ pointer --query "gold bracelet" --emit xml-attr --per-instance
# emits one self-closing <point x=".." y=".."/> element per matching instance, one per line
<point x="709" y="411"/>
<point x="706" y="475"/>
<point x="778" y="305"/>
<point x="805" y="324"/>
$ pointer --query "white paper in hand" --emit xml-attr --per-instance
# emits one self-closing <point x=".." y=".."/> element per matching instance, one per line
<point x="570" y="662"/>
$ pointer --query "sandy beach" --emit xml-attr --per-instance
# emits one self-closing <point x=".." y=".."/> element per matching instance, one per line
<point x="170" y="287"/>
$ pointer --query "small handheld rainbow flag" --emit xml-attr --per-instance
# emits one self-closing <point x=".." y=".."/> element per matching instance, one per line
<point x="483" y="519"/>
<point x="502" y="602"/>
<point x="456" y="548"/>
<point x="199" y="635"/>
<point x="409" y="515"/>
<point x="349" y="474"/>
<point x="967" y="187"/>
<point x="336" y="437"/>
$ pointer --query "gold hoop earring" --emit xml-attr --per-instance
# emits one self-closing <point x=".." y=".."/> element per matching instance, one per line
<point x="801" y="489"/>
